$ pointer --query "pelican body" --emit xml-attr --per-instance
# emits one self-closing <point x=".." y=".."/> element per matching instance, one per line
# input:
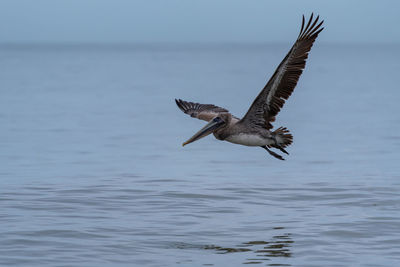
<point x="255" y="128"/>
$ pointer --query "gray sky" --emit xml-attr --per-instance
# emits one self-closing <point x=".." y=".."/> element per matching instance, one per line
<point x="205" y="21"/>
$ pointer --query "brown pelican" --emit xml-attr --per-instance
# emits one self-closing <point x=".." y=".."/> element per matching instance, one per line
<point x="255" y="128"/>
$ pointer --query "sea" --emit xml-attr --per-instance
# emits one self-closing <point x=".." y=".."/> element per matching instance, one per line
<point x="93" y="172"/>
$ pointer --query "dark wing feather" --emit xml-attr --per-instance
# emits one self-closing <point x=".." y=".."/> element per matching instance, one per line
<point x="204" y="112"/>
<point x="281" y="85"/>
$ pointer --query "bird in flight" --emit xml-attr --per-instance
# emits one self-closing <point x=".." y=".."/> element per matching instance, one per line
<point x="255" y="128"/>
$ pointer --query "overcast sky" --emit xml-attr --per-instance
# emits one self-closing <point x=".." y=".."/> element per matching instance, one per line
<point x="190" y="21"/>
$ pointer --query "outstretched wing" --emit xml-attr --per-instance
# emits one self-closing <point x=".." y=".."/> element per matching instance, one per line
<point x="281" y="85"/>
<point x="204" y="112"/>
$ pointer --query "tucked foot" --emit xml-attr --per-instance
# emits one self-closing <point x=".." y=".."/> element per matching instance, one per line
<point x="283" y="150"/>
<point x="273" y="153"/>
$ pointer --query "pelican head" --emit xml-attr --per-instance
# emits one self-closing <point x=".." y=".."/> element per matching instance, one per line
<point x="214" y="125"/>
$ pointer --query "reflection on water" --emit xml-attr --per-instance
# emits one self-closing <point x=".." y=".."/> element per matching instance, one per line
<point x="257" y="251"/>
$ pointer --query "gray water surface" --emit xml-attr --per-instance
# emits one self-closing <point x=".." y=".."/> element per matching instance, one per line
<point x="92" y="171"/>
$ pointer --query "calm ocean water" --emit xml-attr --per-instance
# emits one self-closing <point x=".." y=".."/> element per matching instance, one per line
<point x="92" y="171"/>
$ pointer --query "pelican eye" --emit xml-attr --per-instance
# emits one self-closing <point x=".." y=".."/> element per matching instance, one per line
<point x="217" y="119"/>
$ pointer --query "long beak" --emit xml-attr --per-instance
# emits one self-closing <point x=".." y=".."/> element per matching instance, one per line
<point x="206" y="130"/>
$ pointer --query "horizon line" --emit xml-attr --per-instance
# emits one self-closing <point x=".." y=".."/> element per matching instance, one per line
<point x="177" y="44"/>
